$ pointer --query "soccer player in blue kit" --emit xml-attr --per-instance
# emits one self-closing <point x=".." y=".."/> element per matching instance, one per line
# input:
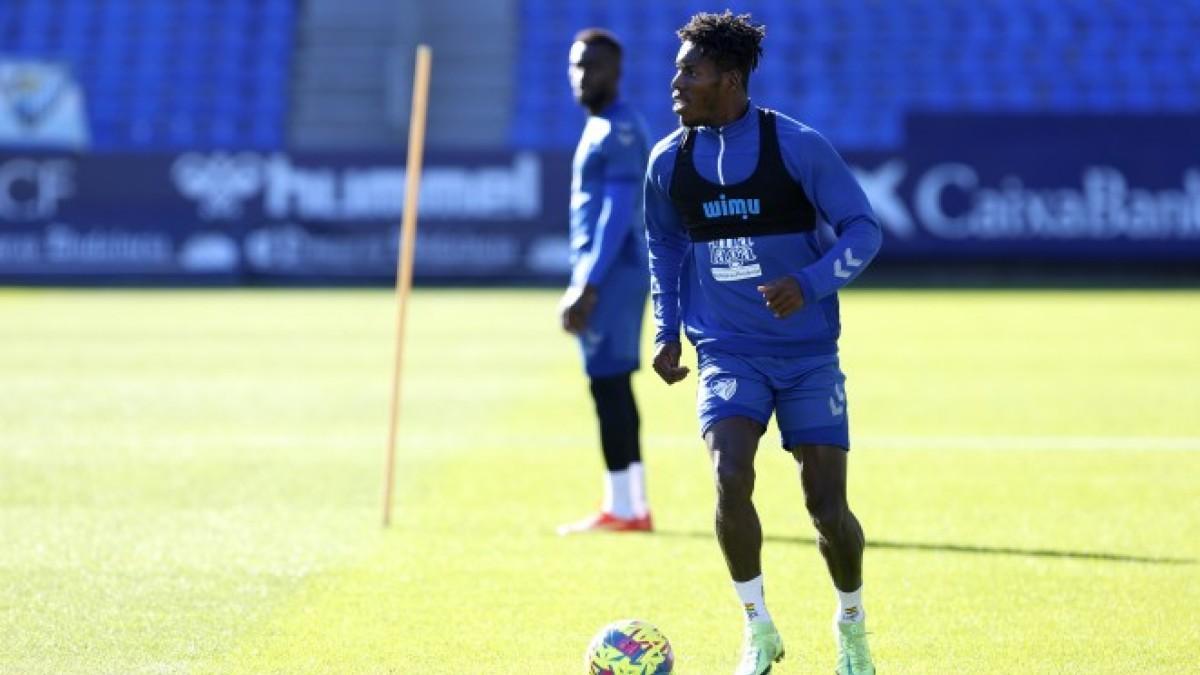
<point x="754" y="223"/>
<point x="606" y="299"/>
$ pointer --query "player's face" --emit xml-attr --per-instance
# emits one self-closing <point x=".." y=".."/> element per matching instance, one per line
<point x="593" y="72"/>
<point x="697" y="88"/>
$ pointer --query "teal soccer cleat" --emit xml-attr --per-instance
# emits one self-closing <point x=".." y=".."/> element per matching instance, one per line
<point x="762" y="647"/>
<point x="854" y="657"/>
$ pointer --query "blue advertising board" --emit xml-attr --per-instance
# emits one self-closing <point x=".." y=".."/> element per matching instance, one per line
<point x="260" y="218"/>
<point x="994" y="189"/>
<point x="1043" y="189"/>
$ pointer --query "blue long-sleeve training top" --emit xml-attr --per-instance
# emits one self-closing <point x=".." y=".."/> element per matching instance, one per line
<point x="606" y="202"/>
<point x="721" y="221"/>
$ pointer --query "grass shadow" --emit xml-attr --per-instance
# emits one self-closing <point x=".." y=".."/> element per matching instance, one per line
<point x="1102" y="556"/>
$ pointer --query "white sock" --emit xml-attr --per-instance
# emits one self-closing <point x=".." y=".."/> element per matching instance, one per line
<point x="850" y="609"/>
<point x="637" y="489"/>
<point x="751" y="595"/>
<point x="616" y="494"/>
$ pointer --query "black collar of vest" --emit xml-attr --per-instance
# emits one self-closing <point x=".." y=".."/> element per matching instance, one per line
<point x="768" y="202"/>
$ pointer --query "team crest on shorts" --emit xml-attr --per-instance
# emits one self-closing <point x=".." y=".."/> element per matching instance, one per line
<point x="725" y="388"/>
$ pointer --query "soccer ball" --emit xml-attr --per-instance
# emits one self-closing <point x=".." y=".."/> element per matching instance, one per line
<point x="629" y="647"/>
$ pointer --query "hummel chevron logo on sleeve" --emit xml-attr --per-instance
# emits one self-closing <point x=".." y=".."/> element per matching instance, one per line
<point x="851" y="262"/>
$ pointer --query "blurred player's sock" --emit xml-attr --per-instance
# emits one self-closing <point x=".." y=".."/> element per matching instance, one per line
<point x="850" y="609"/>
<point x="751" y="595"/>
<point x="637" y="490"/>
<point x="617" y="496"/>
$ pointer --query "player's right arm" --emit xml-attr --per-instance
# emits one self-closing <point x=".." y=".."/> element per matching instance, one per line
<point x="668" y="243"/>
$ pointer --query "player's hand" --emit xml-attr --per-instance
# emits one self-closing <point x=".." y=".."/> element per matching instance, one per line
<point x="576" y="307"/>
<point x="666" y="362"/>
<point x="783" y="296"/>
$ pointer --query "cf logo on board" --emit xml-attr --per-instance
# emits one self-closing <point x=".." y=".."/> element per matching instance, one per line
<point x="32" y="189"/>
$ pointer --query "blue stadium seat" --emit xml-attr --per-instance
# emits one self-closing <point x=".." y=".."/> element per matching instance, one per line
<point x="858" y="67"/>
<point x="143" y="64"/>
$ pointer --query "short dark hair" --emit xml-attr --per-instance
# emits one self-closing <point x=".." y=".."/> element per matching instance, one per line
<point x="600" y="36"/>
<point x="732" y="41"/>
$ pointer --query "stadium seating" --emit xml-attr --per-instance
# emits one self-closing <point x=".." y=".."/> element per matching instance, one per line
<point x="182" y="74"/>
<point x="855" y="68"/>
<point x="166" y="74"/>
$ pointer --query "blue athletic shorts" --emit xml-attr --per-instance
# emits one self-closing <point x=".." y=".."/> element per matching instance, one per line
<point x="808" y="395"/>
<point x="612" y="342"/>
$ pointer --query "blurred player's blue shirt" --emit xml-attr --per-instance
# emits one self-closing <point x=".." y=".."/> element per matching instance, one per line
<point x="711" y="286"/>
<point x="607" y="229"/>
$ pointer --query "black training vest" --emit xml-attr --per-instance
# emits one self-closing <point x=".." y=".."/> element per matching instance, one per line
<point x="768" y="202"/>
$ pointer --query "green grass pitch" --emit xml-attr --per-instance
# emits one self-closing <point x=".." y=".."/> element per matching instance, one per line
<point x="190" y="483"/>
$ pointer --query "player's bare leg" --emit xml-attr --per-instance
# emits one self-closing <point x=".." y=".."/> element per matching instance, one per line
<point x="839" y="535"/>
<point x="841" y="542"/>
<point x="732" y="444"/>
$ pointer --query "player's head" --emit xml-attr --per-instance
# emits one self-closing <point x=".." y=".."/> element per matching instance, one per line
<point x="712" y="70"/>
<point x="595" y="68"/>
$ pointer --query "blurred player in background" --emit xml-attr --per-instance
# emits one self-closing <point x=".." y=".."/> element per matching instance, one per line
<point x="739" y="257"/>
<point x="606" y="299"/>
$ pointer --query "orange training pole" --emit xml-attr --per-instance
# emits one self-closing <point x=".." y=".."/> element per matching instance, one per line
<point x="404" y="264"/>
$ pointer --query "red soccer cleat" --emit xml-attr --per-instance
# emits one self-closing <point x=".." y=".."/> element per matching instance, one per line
<point x="607" y="522"/>
<point x="645" y="523"/>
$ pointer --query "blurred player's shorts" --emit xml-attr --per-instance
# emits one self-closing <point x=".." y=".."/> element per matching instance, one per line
<point x="611" y="344"/>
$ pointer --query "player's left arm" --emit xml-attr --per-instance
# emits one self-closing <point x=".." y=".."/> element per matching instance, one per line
<point x="624" y="161"/>
<point x="613" y="226"/>
<point x="841" y="202"/>
<point x="615" y="223"/>
<point x="624" y="151"/>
